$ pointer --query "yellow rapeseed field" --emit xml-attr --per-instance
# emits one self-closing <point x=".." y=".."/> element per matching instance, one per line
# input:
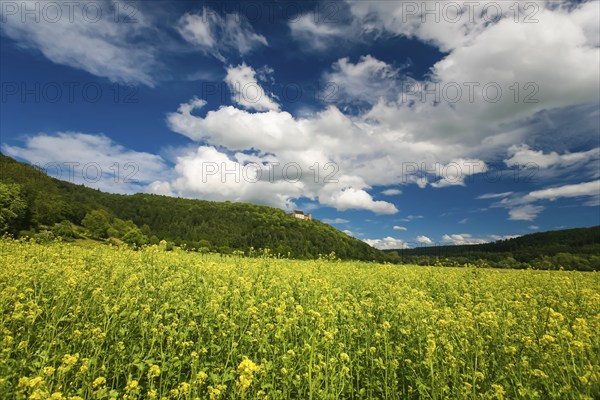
<point x="100" y="323"/>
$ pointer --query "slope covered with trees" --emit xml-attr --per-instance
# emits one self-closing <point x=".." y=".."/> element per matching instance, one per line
<point x="42" y="203"/>
<point x="569" y="249"/>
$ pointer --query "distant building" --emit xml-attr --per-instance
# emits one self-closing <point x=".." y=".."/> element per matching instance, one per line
<point x="300" y="215"/>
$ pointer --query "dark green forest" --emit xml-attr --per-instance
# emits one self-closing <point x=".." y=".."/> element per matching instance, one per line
<point x="577" y="249"/>
<point x="36" y="205"/>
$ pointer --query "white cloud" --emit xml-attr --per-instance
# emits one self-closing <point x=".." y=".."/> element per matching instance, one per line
<point x="246" y="90"/>
<point x="335" y="221"/>
<point x="93" y="160"/>
<point x="466" y="238"/>
<point x="411" y="218"/>
<point x="455" y="172"/>
<point x="291" y="142"/>
<point x="366" y="81"/>
<point x="315" y="35"/>
<point x="494" y="195"/>
<point x="423" y="239"/>
<point x="499" y="54"/>
<point x="387" y="243"/>
<point x="462" y="238"/>
<point x="524" y="213"/>
<point x="533" y="227"/>
<point x="574" y="190"/>
<point x="215" y="34"/>
<point x="463" y="221"/>
<point x="457" y="137"/>
<point x="209" y="174"/>
<point x="523" y="155"/>
<point x="400" y="228"/>
<point x="92" y="39"/>
<point x="522" y="206"/>
<point x="353" y="198"/>
<point x="391" y="192"/>
<point x="347" y="232"/>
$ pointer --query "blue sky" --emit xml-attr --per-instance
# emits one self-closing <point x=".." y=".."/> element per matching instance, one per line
<point x="401" y="123"/>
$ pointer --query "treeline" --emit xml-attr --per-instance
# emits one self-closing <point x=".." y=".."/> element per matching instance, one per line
<point x="34" y="204"/>
<point x="569" y="249"/>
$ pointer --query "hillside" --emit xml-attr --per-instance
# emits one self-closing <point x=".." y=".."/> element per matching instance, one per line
<point x="569" y="248"/>
<point x="216" y="226"/>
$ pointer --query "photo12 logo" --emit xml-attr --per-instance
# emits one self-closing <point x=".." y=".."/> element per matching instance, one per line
<point x="54" y="12"/>
<point x="455" y="173"/>
<point x="90" y="172"/>
<point x="271" y="172"/>
<point x="69" y="92"/>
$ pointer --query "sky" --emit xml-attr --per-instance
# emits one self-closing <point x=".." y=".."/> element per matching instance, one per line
<point x="403" y="124"/>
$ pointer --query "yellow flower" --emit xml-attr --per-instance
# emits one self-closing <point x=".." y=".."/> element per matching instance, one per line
<point x="246" y="369"/>
<point x="131" y="386"/>
<point x="215" y="393"/>
<point x="539" y="373"/>
<point x="184" y="388"/>
<point x="98" y="382"/>
<point x="201" y="377"/>
<point x="48" y="371"/>
<point x="153" y="372"/>
<point x="38" y="380"/>
<point x="38" y="394"/>
<point x="69" y="360"/>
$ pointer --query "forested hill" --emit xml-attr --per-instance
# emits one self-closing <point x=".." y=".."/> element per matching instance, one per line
<point x="33" y="202"/>
<point x="569" y="248"/>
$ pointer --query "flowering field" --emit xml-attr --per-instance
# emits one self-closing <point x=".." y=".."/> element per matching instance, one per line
<point x="101" y="322"/>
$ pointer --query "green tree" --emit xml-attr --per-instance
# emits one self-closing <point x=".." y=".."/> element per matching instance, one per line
<point x="135" y="237"/>
<point x="64" y="230"/>
<point x="12" y="207"/>
<point x="97" y="222"/>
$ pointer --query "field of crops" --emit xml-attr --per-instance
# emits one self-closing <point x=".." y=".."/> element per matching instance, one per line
<point x="98" y="323"/>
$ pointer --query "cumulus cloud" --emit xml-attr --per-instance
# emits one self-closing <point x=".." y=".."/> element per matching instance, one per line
<point x="400" y="228"/>
<point x="423" y="239"/>
<point x="391" y="192"/>
<point x="367" y="81"/>
<point x="215" y="34"/>
<point x="210" y="174"/>
<point x="441" y="143"/>
<point x="387" y="243"/>
<point x="487" y="55"/>
<point x="319" y="148"/>
<point x="93" y="39"/>
<point x="93" y="160"/>
<point x="246" y="90"/>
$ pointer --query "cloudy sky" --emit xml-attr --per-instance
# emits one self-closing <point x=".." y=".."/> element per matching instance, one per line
<point x="400" y="123"/>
